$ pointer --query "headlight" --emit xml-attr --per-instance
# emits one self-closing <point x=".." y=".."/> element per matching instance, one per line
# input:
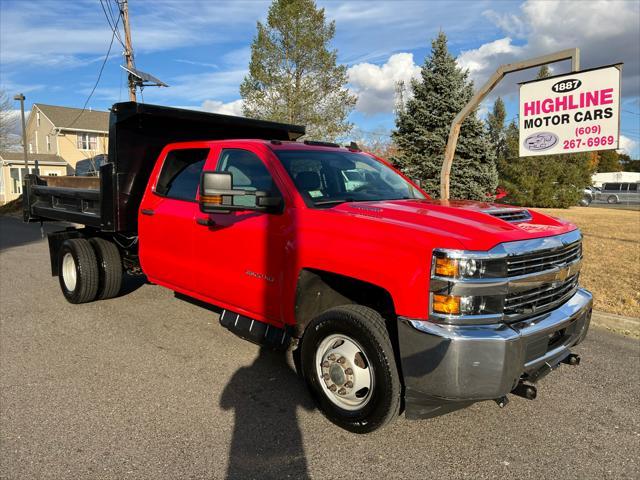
<point x="465" y="304"/>
<point x="460" y="265"/>
<point x="456" y="276"/>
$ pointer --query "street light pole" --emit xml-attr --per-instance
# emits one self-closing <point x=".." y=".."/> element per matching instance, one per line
<point x="20" y="97"/>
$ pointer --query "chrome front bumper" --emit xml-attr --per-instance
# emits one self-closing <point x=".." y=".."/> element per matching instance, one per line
<point x="446" y="367"/>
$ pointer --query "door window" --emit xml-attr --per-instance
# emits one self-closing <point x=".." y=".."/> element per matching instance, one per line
<point x="180" y="175"/>
<point x="249" y="173"/>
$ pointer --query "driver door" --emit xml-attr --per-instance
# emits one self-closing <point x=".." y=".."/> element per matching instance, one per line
<point x="242" y="253"/>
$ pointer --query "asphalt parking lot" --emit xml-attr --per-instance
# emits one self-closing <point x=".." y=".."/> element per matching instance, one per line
<point x="150" y="386"/>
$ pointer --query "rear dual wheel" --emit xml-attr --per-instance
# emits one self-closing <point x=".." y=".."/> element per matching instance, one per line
<point x="89" y="269"/>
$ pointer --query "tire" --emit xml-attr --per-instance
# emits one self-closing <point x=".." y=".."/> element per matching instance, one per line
<point x="366" y="352"/>
<point x="109" y="268"/>
<point x="78" y="273"/>
<point x="611" y="199"/>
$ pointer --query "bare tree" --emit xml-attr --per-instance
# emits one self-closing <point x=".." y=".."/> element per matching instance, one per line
<point x="8" y="120"/>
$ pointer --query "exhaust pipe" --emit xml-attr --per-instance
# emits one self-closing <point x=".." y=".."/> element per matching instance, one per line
<point x="525" y="390"/>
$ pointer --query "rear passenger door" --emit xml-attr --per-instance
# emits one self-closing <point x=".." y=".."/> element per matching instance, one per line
<point x="166" y="220"/>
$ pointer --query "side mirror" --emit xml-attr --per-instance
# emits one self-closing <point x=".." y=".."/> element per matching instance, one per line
<point x="216" y="192"/>
<point x="217" y="195"/>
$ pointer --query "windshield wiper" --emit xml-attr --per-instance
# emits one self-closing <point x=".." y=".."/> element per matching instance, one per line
<point x="334" y="201"/>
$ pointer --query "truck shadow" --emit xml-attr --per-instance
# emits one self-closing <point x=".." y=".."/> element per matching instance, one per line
<point x="267" y="441"/>
<point x="265" y="397"/>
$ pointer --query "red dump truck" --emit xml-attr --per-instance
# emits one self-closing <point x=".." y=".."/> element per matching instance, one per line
<point x="392" y="301"/>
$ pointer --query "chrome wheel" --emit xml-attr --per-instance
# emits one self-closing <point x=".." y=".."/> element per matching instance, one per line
<point x="69" y="273"/>
<point x="345" y="372"/>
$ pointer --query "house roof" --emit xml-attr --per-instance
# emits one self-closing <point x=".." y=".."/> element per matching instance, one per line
<point x="18" y="157"/>
<point x="67" y="118"/>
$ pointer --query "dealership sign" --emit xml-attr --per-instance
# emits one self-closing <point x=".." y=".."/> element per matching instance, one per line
<point x="577" y="112"/>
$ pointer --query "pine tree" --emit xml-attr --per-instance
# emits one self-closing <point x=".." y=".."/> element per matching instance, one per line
<point x="422" y="129"/>
<point x="293" y="75"/>
<point x="496" y="129"/>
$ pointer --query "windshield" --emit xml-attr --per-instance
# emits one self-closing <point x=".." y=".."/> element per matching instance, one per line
<point x="327" y="178"/>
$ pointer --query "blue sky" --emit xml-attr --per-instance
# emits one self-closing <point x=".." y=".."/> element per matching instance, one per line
<point x="201" y="49"/>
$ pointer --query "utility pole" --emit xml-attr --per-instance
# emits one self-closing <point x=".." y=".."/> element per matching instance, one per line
<point x="20" y="97"/>
<point x="128" y="53"/>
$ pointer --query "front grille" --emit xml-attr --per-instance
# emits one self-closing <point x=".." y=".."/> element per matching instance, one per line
<point x="511" y="215"/>
<point x="540" y="298"/>
<point x="543" y="259"/>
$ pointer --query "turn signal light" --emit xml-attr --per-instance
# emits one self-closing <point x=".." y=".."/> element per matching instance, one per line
<point x="214" y="199"/>
<point x="446" y="267"/>
<point x="447" y="304"/>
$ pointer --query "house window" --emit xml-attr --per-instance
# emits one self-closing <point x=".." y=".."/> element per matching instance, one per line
<point x="38" y="118"/>
<point x="87" y="141"/>
<point x="48" y="143"/>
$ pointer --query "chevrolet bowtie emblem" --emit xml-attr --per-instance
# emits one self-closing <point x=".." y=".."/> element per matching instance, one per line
<point x="562" y="274"/>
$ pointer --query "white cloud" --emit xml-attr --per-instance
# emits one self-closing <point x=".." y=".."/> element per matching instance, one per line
<point x="605" y="31"/>
<point x="216" y="106"/>
<point x="628" y="146"/>
<point x="476" y="60"/>
<point x="375" y="84"/>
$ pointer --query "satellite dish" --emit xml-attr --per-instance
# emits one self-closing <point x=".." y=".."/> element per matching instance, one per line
<point x="143" y="79"/>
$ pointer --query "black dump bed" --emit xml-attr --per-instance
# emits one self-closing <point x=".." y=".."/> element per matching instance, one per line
<point x="137" y="135"/>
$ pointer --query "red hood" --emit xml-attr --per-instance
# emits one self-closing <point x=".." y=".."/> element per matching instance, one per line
<point x="466" y="221"/>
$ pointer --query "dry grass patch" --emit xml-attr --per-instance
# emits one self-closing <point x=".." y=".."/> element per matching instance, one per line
<point x="611" y="268"/>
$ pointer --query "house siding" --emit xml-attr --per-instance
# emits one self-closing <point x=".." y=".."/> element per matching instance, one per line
<point x="62" y="142"/>
<point x="68" y="141"/>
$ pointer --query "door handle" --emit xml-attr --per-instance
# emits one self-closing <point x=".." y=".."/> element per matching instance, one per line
<point x="147" y="211"/>
<point x="205" y="222"/>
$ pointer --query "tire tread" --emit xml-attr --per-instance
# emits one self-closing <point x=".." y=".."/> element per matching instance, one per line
<point x="109" y="267"/>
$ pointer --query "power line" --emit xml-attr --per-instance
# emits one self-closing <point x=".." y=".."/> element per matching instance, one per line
<point x="106" y="57"/>
<point x="113" y="24"/>
<point x="629" y="111"/>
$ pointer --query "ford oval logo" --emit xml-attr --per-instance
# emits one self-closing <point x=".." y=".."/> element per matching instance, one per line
<point x="540" y="141"/>
<point x="566" y="85"/>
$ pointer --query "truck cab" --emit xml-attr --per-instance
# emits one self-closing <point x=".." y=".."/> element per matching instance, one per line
<point x="389" y="300"/>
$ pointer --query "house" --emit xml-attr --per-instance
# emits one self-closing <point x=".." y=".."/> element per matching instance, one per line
<point x="12" y="171"/>
<point x="70" y="133"/>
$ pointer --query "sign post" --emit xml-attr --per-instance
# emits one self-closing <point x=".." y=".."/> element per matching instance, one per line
<point x="450" y="150"/>
<point x="576" y="112"/>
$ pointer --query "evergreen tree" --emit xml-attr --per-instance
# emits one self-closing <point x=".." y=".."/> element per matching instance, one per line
<point x="496" y="129"/>
<point x="422" y="129"/>
<point x="293" y="76"/>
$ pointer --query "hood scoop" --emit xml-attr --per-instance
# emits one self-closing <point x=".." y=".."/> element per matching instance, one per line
<point x="511" y="215"/>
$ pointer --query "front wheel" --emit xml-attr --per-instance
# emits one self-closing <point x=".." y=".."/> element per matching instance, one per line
<point x="612" y="199"/>
<point x="349" y="365"/>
